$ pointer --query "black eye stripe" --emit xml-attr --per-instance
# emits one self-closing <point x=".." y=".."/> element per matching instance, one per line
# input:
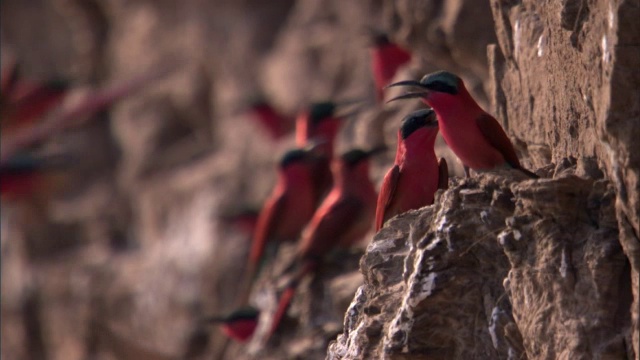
<point x="410" y="125"/>
<point x="441" y="86"/>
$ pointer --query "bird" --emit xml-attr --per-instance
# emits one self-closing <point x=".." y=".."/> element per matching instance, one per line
<point x="284" y="214"/>
<point x="244" y="219"/>
<point x="386" y="58"/>
<point x="416" y="174"/>
<point x="318" y="126"/>
<point x="341" y="220"/>
<point x="50" y="122"/>
<point x="24" y="102"/>
<point x="25" y="174"/>
<point x="240" y="324"/>
<point x="276" y="124"/>
<point x="475" y="136"/>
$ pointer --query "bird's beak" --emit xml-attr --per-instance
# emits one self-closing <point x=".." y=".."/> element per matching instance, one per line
<point x="314" y="143"/>
<point x="350" y="107"/>
<point x="414" y="83"/>
<point x="214" y="319"/>
<point x="411" y="95"/>
<point x="377" y="150"/>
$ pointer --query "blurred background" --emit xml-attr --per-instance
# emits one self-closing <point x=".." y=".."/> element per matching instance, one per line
<point x="120" y="254"/>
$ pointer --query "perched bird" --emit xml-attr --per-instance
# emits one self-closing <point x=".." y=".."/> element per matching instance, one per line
<point x="474" y="136"/>
<point x="25" y="102"/>
<point x="24" y="174"/>
<point x="240" y="324"/>
<point x="319" y="125"/>
<point x="285" y="213"/>
<point x="244" y="219"/>
<point x="276" y="124"/>
<point x="416" y="175"/>
<point x="386" y="59"/>
<point x="343" y="218"/>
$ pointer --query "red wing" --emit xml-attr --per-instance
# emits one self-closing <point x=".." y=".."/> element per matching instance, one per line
<point x="443" y="174"/>
<point x="91" y="104"/>
<point x="495" y="135"/>
<point x="387" y="191"/>
<point x="327" y="226"/>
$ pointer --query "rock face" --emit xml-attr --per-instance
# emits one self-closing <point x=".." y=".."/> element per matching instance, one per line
<point x="466" y="279"/>
<point x="132" y="254"/>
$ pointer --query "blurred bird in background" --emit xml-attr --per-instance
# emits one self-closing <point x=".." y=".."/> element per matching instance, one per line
<point x="343" y="218"/>
<point x="386" y="58"/>
<point x="266" y="116"/>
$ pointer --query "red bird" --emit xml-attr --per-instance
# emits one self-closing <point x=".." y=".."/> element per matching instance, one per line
<point x="343" y="218"/>
<point x="23" y="102"/>
<point x="416" y="174"/>
<point x="474" y="136"/>
<point x="240" y="324"/>
<point x="319" y="127"/>
<point x="386" y="59"/>
<point x="276" y="124"/>
<point x="25" y="174"/>
<point x="25" y="136"/>
<point x="245" y="219"/>
<point x="285" y="213"/>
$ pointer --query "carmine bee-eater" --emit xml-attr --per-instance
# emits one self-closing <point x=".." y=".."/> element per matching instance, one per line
<point x="24" y="174"/>
<point x="386" y="59"/>
<point x="416" y="175"/>
<point x="318" y="127"/>
<point x="244" y="219"/>
<point x="240" y="324"/>
<point x="343" y="218"/>
<point x="23" y="103"/>
<point x="276" y="124"/>
<point x="94" y="101"/>
<point x="285" y="213"/>
<point x="474" y="136"/>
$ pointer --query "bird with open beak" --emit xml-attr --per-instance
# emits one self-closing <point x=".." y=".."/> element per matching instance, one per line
<point x="474" y="136"/>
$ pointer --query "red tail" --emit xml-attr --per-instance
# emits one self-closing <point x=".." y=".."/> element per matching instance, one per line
<point x="287" y="296"/>
<point x="283" y="306"/>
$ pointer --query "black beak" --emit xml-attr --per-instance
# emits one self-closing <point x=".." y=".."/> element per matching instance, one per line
<point x="414" y="83"/>
<point x="359" y="104"/>
<point x="411" y="95"/>
<point x="214" y="319"/>
<point x="312" y="146"/>
<point x="377" y="150"/>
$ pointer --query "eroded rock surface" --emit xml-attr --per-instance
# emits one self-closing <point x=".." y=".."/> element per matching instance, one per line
<point x="499" y="268"/>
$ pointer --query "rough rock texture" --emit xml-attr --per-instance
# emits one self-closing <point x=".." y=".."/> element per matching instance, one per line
<point x="126" y="260"/>
<point x="583" y="104"/>
<point x="474" y="284"/>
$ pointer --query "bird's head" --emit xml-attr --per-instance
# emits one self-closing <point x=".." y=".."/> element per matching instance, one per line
<point x="432" y="87"/>
<point x="355" y="162"/>
<point x="323" y="121"/>
<point x="321" y="111"/>
<point x="417" y="120"/>
<point x="296" y="157"/>
<point x="240" y="324"/>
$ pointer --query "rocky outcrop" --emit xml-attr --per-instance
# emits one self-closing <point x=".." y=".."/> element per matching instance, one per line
<point x="499" y="268"/>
